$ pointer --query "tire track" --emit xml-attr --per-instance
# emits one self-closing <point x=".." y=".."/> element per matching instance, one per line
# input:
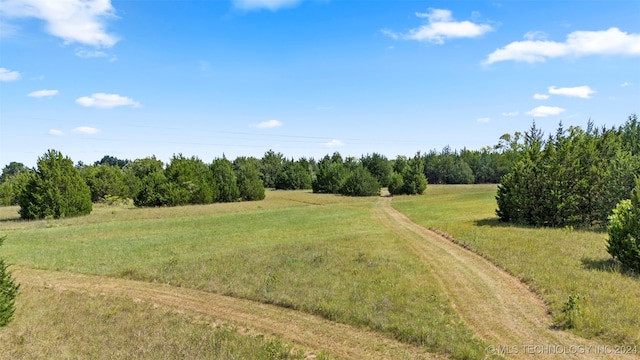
<point x="499" y="308"/>
<point x="309" y="331"/>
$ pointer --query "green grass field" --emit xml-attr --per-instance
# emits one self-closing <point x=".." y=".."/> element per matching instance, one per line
<point x="557" y="263"/>
<point x="321" y="254"/>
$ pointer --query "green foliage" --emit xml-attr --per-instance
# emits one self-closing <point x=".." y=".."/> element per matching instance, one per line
<point x="112" y="161"/>
<point x="13" y="185"/>
<point x="624" y="231"/>
<point x="413" y="178"/>
<point x="105" y="180"/>
<point x="56" y="190"/>
<point x="330" y="176"/>
<point x="379" y="166"/>
<point x="192" y="181"/>
<point x="13" y="169"/>
<point x="572" y="179"/>
<point x="225" y="179"/>
<point x="270" y="167"/>
<point x="294" y="176"/>
<point x="147" y="180"/>
<point x="360" y="183"/>
<point x="8" y="292"/>
<point x="248" y="179"/>
<point x="570" y="313"/>
<point x="396" y="184"/>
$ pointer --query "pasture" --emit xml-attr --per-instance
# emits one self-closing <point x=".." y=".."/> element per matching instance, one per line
<point x="327" y="256"/>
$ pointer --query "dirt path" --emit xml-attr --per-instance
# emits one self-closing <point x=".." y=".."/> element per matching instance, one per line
<point x="339" y="340"/>
<point x="497" y="306"/>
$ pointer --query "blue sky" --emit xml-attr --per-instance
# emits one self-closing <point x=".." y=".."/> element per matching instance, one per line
<point x="135" y="78"/>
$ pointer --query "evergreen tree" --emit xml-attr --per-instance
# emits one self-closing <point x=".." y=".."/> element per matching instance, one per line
<point x="8" y="292"/>
<point x="624" y="231"/>
<point x="248" y="178"/>
<point x="360" y="182"/>
<point x="225" y="178"/>
<point x="56" y="190"/>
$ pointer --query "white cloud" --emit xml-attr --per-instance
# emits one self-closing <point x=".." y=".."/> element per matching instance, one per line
<point x="269" y="124"/>
<point x="43" y="93"/>
<point x="578" y="43"/>
<point x="87" y="54"/>
<point x="578" y="91"/>
<point x="441" y="26"/>
<point x="483" y="120"/>
<point x="333" y="143"/>
<point x="272" y="5"/>
<point x="540" y="96"/>
<point x="55" y="132"/>
<point x="106" y="101"/>
<point x="7" y="75"/>
<point x="511" y="113"/>
<point x="625" y="84"/>
<point x="75" y="21"/>
<point x="536" y="35"/>
<point x="85" y="130"/>
<point x="544" y="111"/>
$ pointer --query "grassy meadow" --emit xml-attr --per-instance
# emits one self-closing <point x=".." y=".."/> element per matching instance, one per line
<point x="322" y="254"/>
<point x="556" y="263"/>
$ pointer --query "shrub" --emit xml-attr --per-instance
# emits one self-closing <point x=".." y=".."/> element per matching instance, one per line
<point x="56" y="190"/>
<point x="624" y="231"/>
<point x="360" y="183"/>
<point x="396" y="184"/>
<point x="8" y="292"/>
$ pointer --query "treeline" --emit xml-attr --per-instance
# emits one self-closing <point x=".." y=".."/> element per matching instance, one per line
<point x="150" y="182"/>
<point x="574" y="177"/>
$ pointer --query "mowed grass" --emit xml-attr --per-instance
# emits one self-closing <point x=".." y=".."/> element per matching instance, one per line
<point x="322" y="254"/>
<point x="73" y="325"/>
<point x="557" y="263"/>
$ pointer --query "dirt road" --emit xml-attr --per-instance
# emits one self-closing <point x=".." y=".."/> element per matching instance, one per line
<point x="497" y="306"/>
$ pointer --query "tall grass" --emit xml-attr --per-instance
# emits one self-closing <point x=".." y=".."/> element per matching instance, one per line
<point x="71" y="325"/>
<point x="323" y="254"/>
<point x="562" y="265"/>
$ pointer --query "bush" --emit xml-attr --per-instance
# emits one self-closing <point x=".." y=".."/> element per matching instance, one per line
<point x="624" y="231"/>
<point x="396" y="185"/>
<point x="56" y="190"/>
<point x="360" y="183"/>
<point x="8" y="292"/>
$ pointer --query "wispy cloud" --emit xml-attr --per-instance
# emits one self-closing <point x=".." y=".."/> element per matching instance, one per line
<point x="578" y="91"/>
<point x="511" y="113"/>
<point x="578" y="44"/>
<point x="441" y="26"/>
<point x="8" y="75"/>
<point x="536" y="35"/>
<point x="272" y="5"/>
<point x="544" y="111"/>
<point x="540" y="96"/>
<point x="269" y="124"/>
<point x="88" y="54"/>
<point x="333" y="143"/>
<point x="75" y="21"/>
<point x="106" y="101"/>
<point x="43" y="93"/>
<point x="56" y="132"/>
<point x="483" y="120"/>
<point x="85" y="130"/>
<point x="625" y="84"/>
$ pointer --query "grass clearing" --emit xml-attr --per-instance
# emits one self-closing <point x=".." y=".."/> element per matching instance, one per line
<point x="559" y="264"/>
<point x="52" y="324"/>
<point x="322" y="254"/>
